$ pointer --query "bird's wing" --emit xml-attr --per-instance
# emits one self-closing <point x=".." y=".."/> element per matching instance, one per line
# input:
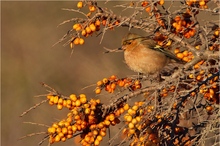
<point x="151" y="44"/>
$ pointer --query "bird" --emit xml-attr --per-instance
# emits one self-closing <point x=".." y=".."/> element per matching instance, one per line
<point x="143" y="55"/>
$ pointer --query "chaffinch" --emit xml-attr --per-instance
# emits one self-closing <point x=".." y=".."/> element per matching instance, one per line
<point x="143" y="55"/>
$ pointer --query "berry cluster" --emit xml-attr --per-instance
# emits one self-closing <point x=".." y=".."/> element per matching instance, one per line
<point x="86" y="28"/>
<point x="184" y="55"/>
<point x="110" y="84"/>
<point x="183" y="25"/>
<point x="85" y="118"/>
<point x="147" y="5"/>
<point x="197" y="3"/>
<point x="137" y="123"/>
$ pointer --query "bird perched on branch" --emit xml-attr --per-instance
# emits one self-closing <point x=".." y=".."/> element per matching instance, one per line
<point x="143" y="55"/>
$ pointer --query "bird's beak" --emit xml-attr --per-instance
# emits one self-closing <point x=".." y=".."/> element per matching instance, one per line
<point x="122" y="48"/>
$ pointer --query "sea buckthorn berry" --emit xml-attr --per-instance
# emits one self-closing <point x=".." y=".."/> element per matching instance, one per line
<point x="112" y="77"/>
<point x="83" y="33"/>
<point x="79" y="4"/>
<point x="161" y="2"/>
<point x="177" y="50"/>
<point x="98" y="90"/>
<point x="92" y="27"/>
<point x="104" y="22"/>
<point x="131" y="125"/>
<point x="179" y="55"/>
<point x="131" y="111"/>
<point x="186" y="59"/>
<point x="128" y="118"/>
<point x="135" y="107"/>
<point x="185" y="53"/>
<point x="71" y="45"/>
<point x="216" y="33"/>
<point x="51" y="130"/>
<point x="148" y="9"/>
<point x="144" y="3"/>
<point x="113" y="86"/>
<point x="78" y="103"/>
<point x="97" y="23"/>
<point x="76" y="41"/>
<point x="88" y="30"/>
<point x="73" y="97"/>
<point x="202" y="3"/>
<point x="77" y="27"/>
<point x="177" y="18"/>
<point x="59" y="106"/>
<point x="99" y="83"/>
<point x="81" y="41"/>
<point x="92" y="8"/>
<point x="57" y="138"/>
<point x="209" y="108"/>
<point x="105" y="80"/>
<point x="126" y="106"/>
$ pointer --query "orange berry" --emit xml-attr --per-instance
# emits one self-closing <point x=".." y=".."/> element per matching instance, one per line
<point x="178" y="28"/>
<point x="64" y="130"/>
<point x="92" y="27"/>
<point x="90" y="13"/>
<point x="71" y="45"/>
<point x="131" y="125"/>
<point x="78" y="103"/>
<point x="174" y="24"/>
<point x="96" y="142"/>
<point x="81" y="41"/>
<point x="121" y="83"/>
<point x="191" y="76"/>
<point x="80" y="4"/>
<point x="107" y="123"/>
<point x="112" y="77"/>
<point x="177" y="18"/>
<point x="73" y="97"/>
<point x="186" y="59"/>
<point x="126" y="106"/>
<point x="92" y="8"/>
<point x="98" y="90"/>
<point x="128" y="118"/>
<point x="97" y="23"/>
<point x="161" y="2"/>
<point x="83" y="33"/>
<point x="192" y="32"/>
<point x="59" y="106"/>
<point x="57" y="138"/>
<point x="83" y="100"/>
<point x="76" y="41"/>
<point x="104" y="22"/>
<point x="202" y="3"/>
<point x="144" y="4"/>
<point x="185" y="53"/>
<point x="99" y="83"/>
<point x="104" y="80"/>
<point x="179" y="55"/>
<point x="216" y="33"/>
<point x="209" y="108"/>
<point x="88" y="30"/>
<point x="177" y="50"/>
<point x="113" y="86"/>
<point x="77" y="27"/>
<point x="148" y="9"/>
<point x="51" y="130"/>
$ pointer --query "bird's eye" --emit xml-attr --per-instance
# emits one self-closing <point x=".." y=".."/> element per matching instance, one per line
<point x="126" y="43"/>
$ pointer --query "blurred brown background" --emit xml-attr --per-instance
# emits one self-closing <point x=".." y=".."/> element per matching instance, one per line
<point x="29" y="29"/>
